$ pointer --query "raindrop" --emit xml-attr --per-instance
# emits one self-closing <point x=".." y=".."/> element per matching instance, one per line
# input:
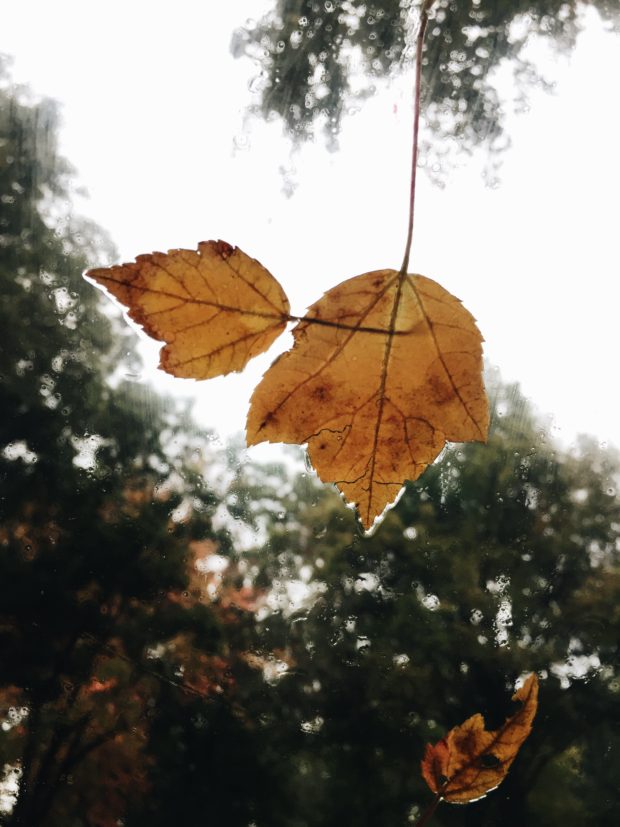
<point x="258" y="84"/>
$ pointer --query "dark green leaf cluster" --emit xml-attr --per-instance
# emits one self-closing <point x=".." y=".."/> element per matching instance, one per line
<point x="501" y="560"/>
<point x="318" y="59"/>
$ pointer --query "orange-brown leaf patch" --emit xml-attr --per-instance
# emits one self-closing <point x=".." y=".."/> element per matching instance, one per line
<point x="471" y="760"/>
<point x="214" y="307"/>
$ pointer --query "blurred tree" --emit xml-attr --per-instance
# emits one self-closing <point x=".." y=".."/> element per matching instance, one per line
<point x="502" y="559"/>
<point x="102" y="494"/>
<point x="318" y="58"/>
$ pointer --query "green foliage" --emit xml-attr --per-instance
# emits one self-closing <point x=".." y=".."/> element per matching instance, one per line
<point x="319" y="59"/>
<point x="501" y="560"/>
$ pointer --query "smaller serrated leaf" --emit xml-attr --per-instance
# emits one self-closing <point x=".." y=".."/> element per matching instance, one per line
<point x="214" y="307"/>
<point x="471" y="760"/>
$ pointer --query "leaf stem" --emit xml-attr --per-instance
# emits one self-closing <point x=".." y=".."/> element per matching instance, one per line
<point x="428" y="813"/>
<point x="358" y="328"/>
<point x="426" y="7"/>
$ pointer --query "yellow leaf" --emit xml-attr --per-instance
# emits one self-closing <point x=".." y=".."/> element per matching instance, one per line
<point x="470" y="761"/>
<point x="385" y="369"/>
<point x="215" y="308"/>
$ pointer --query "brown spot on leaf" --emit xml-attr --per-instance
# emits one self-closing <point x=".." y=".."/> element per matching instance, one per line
<point x="441" y="390"/>
<point x="222" y="248"/>
<point x="321" y="393"/>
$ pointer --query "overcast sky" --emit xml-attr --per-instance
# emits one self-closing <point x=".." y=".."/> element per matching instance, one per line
<point x="154" y="118"/>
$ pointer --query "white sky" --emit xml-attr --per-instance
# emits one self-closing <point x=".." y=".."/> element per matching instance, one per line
<point x="154" y="120"/>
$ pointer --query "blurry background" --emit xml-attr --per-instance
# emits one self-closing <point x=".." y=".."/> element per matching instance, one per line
<point x="191" y="630"/>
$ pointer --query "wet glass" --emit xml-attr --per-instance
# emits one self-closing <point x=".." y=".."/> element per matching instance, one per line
<point x="192" y="630"/>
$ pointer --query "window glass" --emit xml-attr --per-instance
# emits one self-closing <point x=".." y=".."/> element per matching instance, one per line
<point x="192" y="630"/>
